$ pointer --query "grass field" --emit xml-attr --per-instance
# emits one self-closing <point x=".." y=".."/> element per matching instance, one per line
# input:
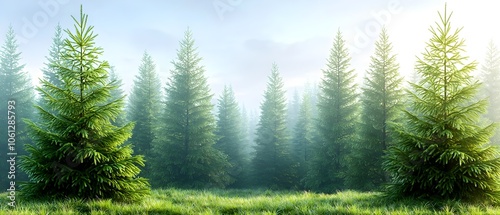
<point x="175" y="201"/>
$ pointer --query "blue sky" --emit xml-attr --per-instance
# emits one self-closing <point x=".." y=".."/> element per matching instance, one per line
<point x="240" y="39"/>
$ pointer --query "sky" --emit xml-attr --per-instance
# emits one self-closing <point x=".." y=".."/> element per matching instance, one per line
<point x="240" y="39"/>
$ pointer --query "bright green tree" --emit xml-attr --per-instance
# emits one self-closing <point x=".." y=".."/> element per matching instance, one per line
<point x="272" y="162"/>
<point x="442" y="152"/>
<point x="78" y="152"/>
<point x="144" y="109"/>
<point x="490" y="76"/>
<point x="185" y="154"/>
<point x="16" y="87"/>
<point x="337" y="118"/>
<point x="230" y="135"/>
<point x="381" y="103"/>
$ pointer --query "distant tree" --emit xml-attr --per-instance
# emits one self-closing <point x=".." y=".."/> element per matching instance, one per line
<point x="185" y="154"/>
<point x="302" y="139"/>
<point x="78" y="152"/>
<point x="490" y="76"/>
<point x="293" y="112"/>
<point x="144" y="108"/>
<point x="272" y="162"/>
<point x="115" y="94"/>
<point x="54" y="57"/>
<point x="230" y="135"/>
<point x="381" y="103"/>
<point x="16" y="87"/>
<point x="442" y="152"/>
<point x="337" y="118"/>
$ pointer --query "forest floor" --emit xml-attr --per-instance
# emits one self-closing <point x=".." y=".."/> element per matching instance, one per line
<point x="177" y="201"/>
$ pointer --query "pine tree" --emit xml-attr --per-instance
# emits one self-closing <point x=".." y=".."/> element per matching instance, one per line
<point x="442" y="152"/>
<point x="78" y="152"/>
<point x="490" y="76"/>
<point x="230" y="135"/>
<point x="272" y="164"/>
<point x="144" y="109"/>
<point x="186" y="156"/>
<point x="337" y="118"/>
<point x="381" y="103"/>
<point x="17" y="90"/>
<point x="302" y="139"/>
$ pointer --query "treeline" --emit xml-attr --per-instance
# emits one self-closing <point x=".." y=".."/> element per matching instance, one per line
<point x="87" y="139"/>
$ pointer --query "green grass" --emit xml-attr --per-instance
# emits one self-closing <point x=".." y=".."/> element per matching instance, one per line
<point x="175" y="201"/>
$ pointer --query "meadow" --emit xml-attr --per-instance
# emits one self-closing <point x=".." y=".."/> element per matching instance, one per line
<point x="177" y="201"/>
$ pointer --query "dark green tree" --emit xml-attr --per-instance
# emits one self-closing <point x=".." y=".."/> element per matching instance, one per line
<point x="185" y="154"/>
<point x="337" y="118"/>
<point x="302" y="139"/>
<point x="230" y="135"/>
<point x="490" y="76"/>
<point x="78" y="152"/>
<point x="442" y="152"/>
<point x="16" y="87"/>
<point x="381" y="103"/>
<point x="144" y="109"/>
<point x="272" y="162"/>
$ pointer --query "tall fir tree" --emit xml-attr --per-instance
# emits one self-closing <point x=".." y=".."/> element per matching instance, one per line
<point x="16" y="90"/>
<point x="490" y="76"/>
<point x="337" y="118"/>
<point x="230" y="135"/>
<point x="185" y="154"/>
<point x="272" y="162"/>
<point x="381" y="103"/>
<point x="144" y="109"/>
<point x="442" y="152"/>
<point x="78" y="152"/>
<point x="302" y="139"/>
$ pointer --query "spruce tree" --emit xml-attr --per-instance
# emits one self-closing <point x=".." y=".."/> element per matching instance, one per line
<point x="272" y="164"/>
<point x="16" y="90"/>
<point x="381" y="102"/>
<point x="442" y="152"/>
<point x="230" y="135"/>
<point x="185" y="154"/>
<point x="337" y="118"/>
<point x="490" y="76"/>
<point x="144" y="109"/>
<point x="78" y="152"/>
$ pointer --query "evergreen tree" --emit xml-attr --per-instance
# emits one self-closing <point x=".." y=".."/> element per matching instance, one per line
<point x="442" y="152"/>
<point x="337" y="117"/>
<point x="78" y="152"/>
<point x="381" y="102"/>
<point x="230" y="135"/>
<point x="16" y="90"/>
<point x="490" y="77"/>
<point x="144" y="109"/>
<point x="272" y="164"/>
<point x="302" y="139"/>
<point x="186" y="156"/>
<point x="293" y="112"/>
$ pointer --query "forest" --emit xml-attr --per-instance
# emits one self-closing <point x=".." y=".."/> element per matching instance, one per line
<point x="79" y="138"/>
